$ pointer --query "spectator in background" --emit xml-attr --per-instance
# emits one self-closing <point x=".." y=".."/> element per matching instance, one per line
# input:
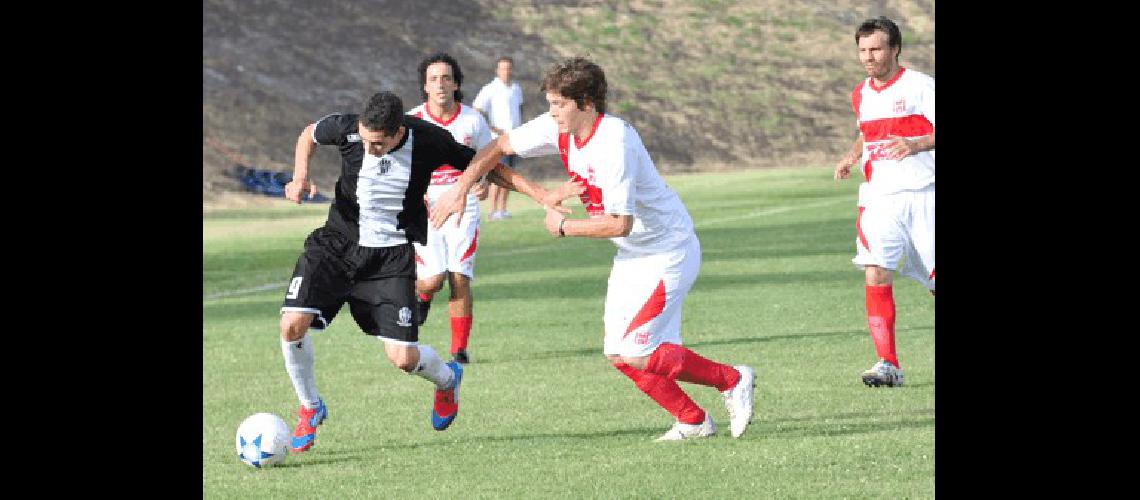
<point x="501" y="100"/>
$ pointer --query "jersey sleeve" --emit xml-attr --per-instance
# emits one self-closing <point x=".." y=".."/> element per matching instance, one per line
<point x="482" y="135"/>
<point x="616" y="180"/>
<point x="334" y="129"/>
<point x="451" y="152"/>
<point x="537" y="137"/>
<point x="926" y="103"/>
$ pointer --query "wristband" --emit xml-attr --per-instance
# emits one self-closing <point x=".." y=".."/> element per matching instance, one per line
<point x="561" y="233"/>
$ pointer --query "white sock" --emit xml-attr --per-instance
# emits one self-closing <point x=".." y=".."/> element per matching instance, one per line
<point x="433" y="368"/>
<point x="299" y="363"/>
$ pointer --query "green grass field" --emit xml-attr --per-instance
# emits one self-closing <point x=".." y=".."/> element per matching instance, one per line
<point x="543" y="414"/>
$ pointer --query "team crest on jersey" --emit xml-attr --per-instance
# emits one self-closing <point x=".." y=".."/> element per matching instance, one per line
<point x="385" y="165"/>
<point x="405" y="317"/>
<point x="353" y="137"/>
<point x="900" y="106"/>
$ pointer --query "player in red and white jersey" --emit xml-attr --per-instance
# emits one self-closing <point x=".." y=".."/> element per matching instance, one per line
<point x="894" y="108"/>
<point x="450" y="250"/>
<point x="658" y="255"/>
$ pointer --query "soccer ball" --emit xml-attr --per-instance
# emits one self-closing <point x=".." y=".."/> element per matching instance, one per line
<point x="263" y="440"/>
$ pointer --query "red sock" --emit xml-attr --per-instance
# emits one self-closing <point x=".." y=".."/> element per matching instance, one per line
<point x="666" y="393"/>
<point x="460" y="332"/>
<point x="678" y="362"/>
<point x="426" y="297"/>
<point x="881" y="321"/>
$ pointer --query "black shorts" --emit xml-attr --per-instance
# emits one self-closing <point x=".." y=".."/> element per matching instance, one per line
<point x="379" y="285"/>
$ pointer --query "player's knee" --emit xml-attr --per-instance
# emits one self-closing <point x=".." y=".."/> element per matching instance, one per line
<point x="614" y="359"/>
<point x="430" y="285"/>
<point x="403" y="361"/>
<point x="638" y="362"/>
<point x="878" y="276"/>
<point x="294" y="325"/>
<point x="460" y="286"/>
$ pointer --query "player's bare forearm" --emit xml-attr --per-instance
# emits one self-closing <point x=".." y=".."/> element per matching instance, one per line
<point x="303" y="152"/>
<point x="924" y="143"/>
<point x="510" y="179"/>
<point x="606" y="226"/>
<point x="856" y="149"/>
<point x="483" y="162"/>
<point x="299" y="185"/>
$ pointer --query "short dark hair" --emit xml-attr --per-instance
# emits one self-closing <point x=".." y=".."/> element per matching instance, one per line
<point x="881" y="23"/>
<point x="504" y="58"/>
<point x="384" y="113"/>
<point x="443" y="57"/>
<point x="579" y="79"/>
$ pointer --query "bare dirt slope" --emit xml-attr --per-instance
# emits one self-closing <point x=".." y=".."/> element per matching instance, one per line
<point x="709" y="85"/>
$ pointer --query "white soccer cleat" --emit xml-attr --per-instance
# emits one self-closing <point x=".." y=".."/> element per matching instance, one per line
<point x="738" y="401"/>
<point x="883" y="373"/>
<point x="688" y="431"/>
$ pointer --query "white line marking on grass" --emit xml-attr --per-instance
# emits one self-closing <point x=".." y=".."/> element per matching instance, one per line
<point x="771" y="211"/>
<point x="244" y="291"/>
<point x="548" y="247"/>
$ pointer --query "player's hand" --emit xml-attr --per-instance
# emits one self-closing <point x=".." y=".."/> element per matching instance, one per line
<point x="480" y="189"/>
<point x="899" y="148"/>
<point x="296" y="188"/>
<point x="843" y="168"/>
<point x="553" y="219"/>
<point x="452" y="201"/>
<point x="554" y="198"/>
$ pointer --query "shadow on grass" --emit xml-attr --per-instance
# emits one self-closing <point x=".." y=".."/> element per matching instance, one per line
<point x="597" y="351"/>
<point x="368" y="452"/>
<point x="764" y="429"/>
<point x="831" y="429"/>
<point x="852" y="415"/>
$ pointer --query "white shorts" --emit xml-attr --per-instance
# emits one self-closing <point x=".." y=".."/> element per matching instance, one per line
<point x="896" y="232"/>
<point x="644" y="297"/>
<point x="450" y="248"/>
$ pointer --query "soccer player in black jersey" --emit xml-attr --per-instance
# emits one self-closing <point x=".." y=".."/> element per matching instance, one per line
<point x="363" y="254"/>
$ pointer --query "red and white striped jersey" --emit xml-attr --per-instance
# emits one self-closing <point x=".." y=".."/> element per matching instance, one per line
<point x="468" y="127"/>
<point x="620" y="179"/>
<point x="903" y="107"/>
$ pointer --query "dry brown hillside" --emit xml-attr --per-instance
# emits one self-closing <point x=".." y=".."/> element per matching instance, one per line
<point x="708" y="84"/>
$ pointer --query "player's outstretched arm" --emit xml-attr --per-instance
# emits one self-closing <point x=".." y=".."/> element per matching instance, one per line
<point x="606" y="226"/>
<point x="508" y="178"/>
<point x="454" y="200"/>
<point x="297" y="187"/>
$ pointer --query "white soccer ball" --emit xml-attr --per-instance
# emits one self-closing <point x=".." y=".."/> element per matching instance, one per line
<point x="263" y="440"/>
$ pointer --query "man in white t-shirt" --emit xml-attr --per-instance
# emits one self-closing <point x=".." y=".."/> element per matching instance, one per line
<point x="502" y="102"/>
<point x="658" y="257"/>
<point x="450" y="250"/>
<point x="894" y="108"/>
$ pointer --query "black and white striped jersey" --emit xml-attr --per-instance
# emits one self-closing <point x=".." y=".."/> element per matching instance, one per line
<point x="379" y="201"/>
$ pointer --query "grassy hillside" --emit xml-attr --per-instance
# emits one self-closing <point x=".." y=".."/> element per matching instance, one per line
<point x="709" y="84"/>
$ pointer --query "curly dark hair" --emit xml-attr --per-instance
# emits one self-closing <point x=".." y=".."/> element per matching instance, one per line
<point x="579" y="79"/>
<point x="384" y="113"/>
<point x="894" y="36"/>
<point x="455" y="71"/>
